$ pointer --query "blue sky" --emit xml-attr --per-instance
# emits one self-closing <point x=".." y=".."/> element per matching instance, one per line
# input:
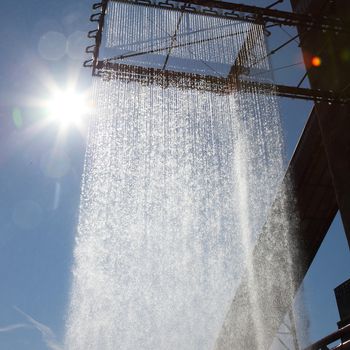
<point x="39" y="199"/>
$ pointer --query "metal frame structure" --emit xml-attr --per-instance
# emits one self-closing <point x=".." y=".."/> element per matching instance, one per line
<point x="233" y="81"/>
<point x="246" y="13"/>
<point x="325" y="342"/>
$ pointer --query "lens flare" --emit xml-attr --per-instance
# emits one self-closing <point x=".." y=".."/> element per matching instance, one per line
<point x="316" y="61"/>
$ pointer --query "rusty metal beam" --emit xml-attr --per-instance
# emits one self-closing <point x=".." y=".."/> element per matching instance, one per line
<point x="165" y="78"/>
<point x="340" y="333"/>
<point x="233" y="82"/>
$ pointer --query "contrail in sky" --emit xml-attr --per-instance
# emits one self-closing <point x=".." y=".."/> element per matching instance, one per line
<point x="47" y="334"/>
<point x="14" y="327"/>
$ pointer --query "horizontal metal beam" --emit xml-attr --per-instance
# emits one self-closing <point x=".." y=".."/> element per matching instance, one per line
<point x="224" y="85"/>
<point x="310" y="94"/>
<point x="164" y="78"/>
<point x="340" y="333"/>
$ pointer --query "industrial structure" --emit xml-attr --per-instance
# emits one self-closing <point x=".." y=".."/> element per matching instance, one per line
<point x="319" y="168"/>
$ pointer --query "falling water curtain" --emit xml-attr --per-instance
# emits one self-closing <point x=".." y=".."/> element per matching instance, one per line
<point x="176" y="186"/>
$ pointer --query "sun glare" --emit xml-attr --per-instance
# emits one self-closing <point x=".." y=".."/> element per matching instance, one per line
<point x="67" y="108"/>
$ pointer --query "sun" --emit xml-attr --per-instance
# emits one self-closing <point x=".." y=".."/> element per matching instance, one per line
<point x="67" y="107"/>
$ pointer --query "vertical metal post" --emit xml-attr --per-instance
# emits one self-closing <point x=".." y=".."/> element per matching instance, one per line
<point x="333" y="74"/>
<point x="334" y="122"/>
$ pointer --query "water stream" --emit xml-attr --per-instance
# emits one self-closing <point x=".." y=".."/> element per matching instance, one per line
<point x="176" y="187"/>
